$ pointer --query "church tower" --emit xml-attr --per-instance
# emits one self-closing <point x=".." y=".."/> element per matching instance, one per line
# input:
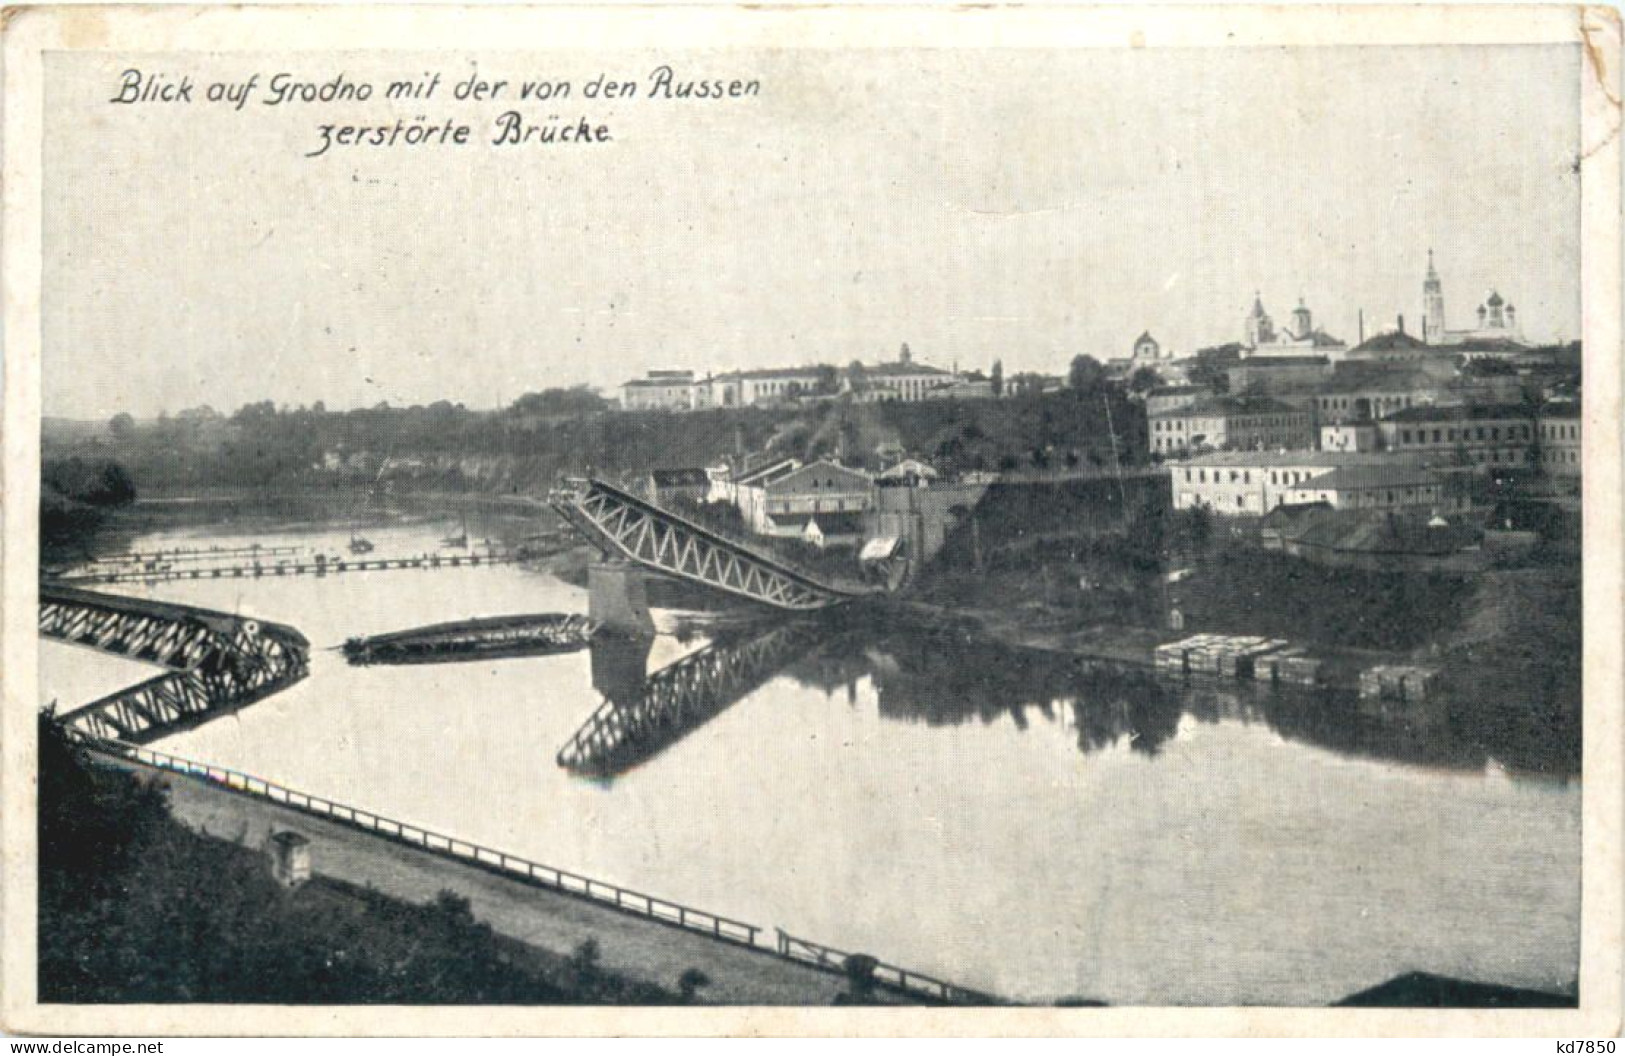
<point x="1302" y="321"/>
<point x="1260" y="328"/>
<point x="1432" y="305"/>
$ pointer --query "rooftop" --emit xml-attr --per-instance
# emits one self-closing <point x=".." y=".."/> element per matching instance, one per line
<point x="1281" y="361"/>
<point x="657" y="383"/>
<point x="772" y="372"/>
<point x="1230" y="406"/>
<point x="1480" y="412"/>
<point x="1394" y="341"/>
<point x="822" y="475"/>
<point x="1382" y="532"/>
<point x="1322" y="459"/>
<point x="1361" y="477"/>
<point x="902" y="369"/>
<point x="680" y="478"/>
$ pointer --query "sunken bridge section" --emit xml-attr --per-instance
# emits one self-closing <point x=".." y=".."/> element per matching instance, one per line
<point x="629" y="729"/>
<point x="624" y="526"/>
<point x="217" y="662"/>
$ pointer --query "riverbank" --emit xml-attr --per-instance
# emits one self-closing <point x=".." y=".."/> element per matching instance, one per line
<point x="373" y="921"/>
<point x="638" y="950"/>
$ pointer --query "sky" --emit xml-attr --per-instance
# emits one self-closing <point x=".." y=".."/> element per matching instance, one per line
<point x="1026" y="206"/>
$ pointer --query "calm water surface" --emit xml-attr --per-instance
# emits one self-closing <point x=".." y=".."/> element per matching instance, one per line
<point x="949" y="808"/>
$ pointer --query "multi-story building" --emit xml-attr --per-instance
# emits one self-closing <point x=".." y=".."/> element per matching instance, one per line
<point x="1231" y="423"/>
<point x="1497" y="435"/>
<point x="1252" y="483"/>
<point x="1172" y="397"/>
<point x="665" y="486"/>
<point x="904" y="381"/>
<point x="745" y="388"/>
<point x="823" y="502"/>
<point x="1559" y="453"/>
<point x="1350" y="436"/>
<point x="1387" y="486"/>
<point x="659" y="390"/>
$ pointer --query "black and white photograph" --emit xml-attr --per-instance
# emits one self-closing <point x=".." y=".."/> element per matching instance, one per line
<point x="807" y="511"/>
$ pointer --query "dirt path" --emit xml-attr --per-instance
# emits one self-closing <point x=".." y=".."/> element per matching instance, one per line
<point x="632" y="946"/>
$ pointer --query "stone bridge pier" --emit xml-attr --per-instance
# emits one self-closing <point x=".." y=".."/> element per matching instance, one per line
<point x="618" y="600"/>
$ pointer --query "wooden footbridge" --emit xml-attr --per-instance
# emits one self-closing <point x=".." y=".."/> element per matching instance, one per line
<point x="108" y="572"/>
<point x="682" y="696"/>
<point x="217" y="662"/>
<point x="628" y="528"/>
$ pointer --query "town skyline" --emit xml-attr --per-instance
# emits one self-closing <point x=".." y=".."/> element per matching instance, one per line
<point x="1162" y="207"/>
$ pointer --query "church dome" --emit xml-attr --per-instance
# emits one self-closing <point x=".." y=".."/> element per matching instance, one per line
<point x="1495" y="300"/>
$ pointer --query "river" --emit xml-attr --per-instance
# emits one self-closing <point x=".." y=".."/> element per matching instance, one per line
<point x="966" y="811"/>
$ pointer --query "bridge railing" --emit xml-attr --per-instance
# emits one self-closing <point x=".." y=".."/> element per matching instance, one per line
<point x="626" y="900"/>
<point x="910" y="982"/>
<point x="622" y="898"/>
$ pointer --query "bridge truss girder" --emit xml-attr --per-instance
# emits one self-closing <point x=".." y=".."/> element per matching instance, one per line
<point x="218" y="662"/>
<point x="625" y="526"/>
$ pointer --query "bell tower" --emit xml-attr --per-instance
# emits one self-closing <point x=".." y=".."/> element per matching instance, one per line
<point x="1432" y="305"/>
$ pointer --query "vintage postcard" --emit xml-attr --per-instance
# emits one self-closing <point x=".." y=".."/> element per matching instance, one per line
<point x="829" y="520"/>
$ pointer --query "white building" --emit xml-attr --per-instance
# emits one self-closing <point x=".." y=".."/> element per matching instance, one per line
<point x="1252" y="483"/>
<point x="1302" y="338"/>
<point x="659" y="390"/>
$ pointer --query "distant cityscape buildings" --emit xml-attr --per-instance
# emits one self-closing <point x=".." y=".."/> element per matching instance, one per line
<point x="902" y="380"/>
<point x="1287" y="415"/>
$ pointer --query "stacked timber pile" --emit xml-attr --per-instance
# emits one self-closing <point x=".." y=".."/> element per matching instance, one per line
<point x="1238" y="656"/>
<point x="1408" y="682"/>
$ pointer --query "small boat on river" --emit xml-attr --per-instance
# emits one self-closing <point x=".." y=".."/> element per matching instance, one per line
<point x="541" y="634"/>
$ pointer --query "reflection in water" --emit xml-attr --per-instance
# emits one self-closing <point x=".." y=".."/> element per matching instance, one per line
<point x="944" y="677"/>
<point x="1266" y="849"/>
<point x="641" y="716"/>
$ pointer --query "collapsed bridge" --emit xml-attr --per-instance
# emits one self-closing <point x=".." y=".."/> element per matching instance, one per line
<point x="217" y="662"/>
<point x="630" y="529"/>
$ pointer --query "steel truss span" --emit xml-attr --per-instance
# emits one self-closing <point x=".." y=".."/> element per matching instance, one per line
<point x="218" y="662"/>
<point x="623" y="525"/>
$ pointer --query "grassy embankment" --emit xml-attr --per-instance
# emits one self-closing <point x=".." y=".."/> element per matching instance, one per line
<point x="1042" y="562"/>
<point x="133" y="906"/>
<point x="455" y="450"/>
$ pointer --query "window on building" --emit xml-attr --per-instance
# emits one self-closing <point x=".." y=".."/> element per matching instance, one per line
<point x="1436" y="436"/>
<point x="1495" y="432"/>
<point x="1405" y="436"/>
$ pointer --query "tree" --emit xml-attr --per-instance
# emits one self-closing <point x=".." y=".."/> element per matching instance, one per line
<point x="856" y="376"/>
<point x="1027" y="384"/>
<point x="1212" y="366"/>
<point x="1144" y="380"/>
<point x="1086" y="374"/>
<point x="828" y="381"/>
<point x="996" y="375"/>
<point x="122" y="426"/>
